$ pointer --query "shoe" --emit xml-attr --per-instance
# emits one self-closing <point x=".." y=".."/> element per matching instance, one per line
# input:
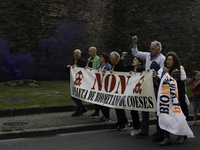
<point x="84" y="111"/>
<point x="102" y="119"/>
<point x="75" y="114"/>
<point x="193" y="124"/>
<point x="156" y="134"/>
<point x="133" y="132"/>
<point x="94" y="115"/>
<point x="158" y="139"/>
<point x="105" y="120"/>
<point x="115" y="128"/>
<point x="185" y="137"/>
<point x="142" y="135"/>
<point x="165" y="142"/>
<point x="181" y="139"/>
<point x="124" y="126"/>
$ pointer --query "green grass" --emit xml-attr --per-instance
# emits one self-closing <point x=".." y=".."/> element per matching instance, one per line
<point x="36" y="100"/>
<point x="63" y="98"/>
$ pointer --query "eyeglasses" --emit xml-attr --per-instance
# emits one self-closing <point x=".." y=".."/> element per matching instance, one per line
<point x="169" y="60"/>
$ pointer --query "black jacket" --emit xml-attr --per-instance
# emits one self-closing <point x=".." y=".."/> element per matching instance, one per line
<point x="120" y="66"/>
<point x="80" y="63"/>
<point x="140" y="68"/>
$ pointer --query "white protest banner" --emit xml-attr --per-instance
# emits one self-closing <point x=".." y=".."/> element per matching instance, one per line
<point x="116" y="90"/>
<point x="171" y="117"/>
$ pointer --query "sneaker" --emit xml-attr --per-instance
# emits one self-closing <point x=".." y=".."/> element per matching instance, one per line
<point x="84" y="111"/>
<point x="124" y="126"/>
<point x="102" y="119"/>
<point x="133" y="132"/>
<point x="158" y="139"/>
<point x="75" y="114"/>
<point x="142" y="135"/>
<point x="94" y="115"/>
<point x="166" y="142"/>
<point x="180" y="139"/>
<point x="105" y="120"/>
<point x="193" y="124"/>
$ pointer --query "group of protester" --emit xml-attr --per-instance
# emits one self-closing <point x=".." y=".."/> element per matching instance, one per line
<point x="155" y="61"/>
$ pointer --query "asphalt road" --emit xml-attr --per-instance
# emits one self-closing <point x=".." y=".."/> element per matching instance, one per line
<point x="99" y="140"/>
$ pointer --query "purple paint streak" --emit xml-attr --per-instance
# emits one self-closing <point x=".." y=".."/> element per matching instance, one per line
<point x="48" y="62"/>
<point x="14" y="65"/>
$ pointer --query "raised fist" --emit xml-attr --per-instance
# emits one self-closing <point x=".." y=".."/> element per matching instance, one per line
<point x="135" y="39"/>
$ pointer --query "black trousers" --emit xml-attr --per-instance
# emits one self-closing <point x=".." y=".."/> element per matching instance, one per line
<point x="136" y="119"/>
<point x="121" y="117"/>
<point x="184" y="109"/>
<point x="105" y="111"/>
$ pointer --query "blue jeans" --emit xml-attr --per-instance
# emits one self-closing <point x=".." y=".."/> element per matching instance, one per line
<point x="79" y="106"/>
<point x="145" y="122"/>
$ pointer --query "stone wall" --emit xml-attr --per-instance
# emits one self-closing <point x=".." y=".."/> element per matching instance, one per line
<point x="39" y="36"/>
<point x="176" y="24"/>
<point x="49" y="31"/>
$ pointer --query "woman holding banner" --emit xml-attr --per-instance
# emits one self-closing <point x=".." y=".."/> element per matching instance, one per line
<point x="168" y="107"/>
<point x="104" y="66"/>
<point x="136" y="66"/>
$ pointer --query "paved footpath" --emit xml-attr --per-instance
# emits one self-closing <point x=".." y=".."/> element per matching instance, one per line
<point x="55" y="123"/>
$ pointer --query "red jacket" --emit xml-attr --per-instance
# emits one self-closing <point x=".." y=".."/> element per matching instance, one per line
<point x="195" y="89"/>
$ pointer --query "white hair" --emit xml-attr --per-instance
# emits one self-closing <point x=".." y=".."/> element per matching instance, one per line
<point x="116" y="54"/>
<point x="159" y="45"/>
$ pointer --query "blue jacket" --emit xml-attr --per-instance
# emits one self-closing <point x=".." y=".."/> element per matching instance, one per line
<point x="107" y="67"/>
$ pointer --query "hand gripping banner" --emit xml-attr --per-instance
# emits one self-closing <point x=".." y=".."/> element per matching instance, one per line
<point x="115" y="90"/>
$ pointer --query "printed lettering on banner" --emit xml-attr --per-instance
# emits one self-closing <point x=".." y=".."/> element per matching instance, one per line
<point x="116" y="90"/>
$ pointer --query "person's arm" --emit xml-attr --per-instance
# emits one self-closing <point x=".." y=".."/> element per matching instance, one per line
<point x="97" y="62"/>
<point x="68" y="68"/>
<point x="162" y="62"/>
<point x="194" y="85"/>
<point x="123" y="65"/>
<point x="81" y="63"/>
<point x="108" y="67"/>
<point x="156" y="81"/>
<point x="159" y="73"/>
<point x="183" y="74"/>
<point x="135" y="51"/>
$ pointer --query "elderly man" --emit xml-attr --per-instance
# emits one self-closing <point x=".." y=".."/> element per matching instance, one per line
<point x="93" y="62"/>
<point x="154" y="60"/>
<point x="117" y="65"/>
<point x="78" y="61"/>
